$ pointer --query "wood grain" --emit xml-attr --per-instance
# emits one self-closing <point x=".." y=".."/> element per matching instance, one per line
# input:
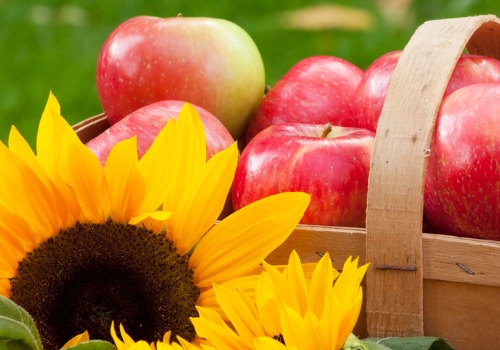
<point x="445" y="258"/>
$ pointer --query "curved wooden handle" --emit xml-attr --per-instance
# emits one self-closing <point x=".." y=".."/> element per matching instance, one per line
<point x="395" y="187"/>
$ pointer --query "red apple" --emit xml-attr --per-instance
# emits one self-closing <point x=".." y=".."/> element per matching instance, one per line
<point x="330" y="163"/>
<point x="370" y="97"/>
<point x="462" y="189"/>
<point x="317" y="89"/>
<point x="210" y="62"/>
<point x="146" y="123"/>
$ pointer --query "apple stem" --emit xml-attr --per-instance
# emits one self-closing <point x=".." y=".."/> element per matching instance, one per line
<point x="326" y="130"/>
<point x="180" y="14"/>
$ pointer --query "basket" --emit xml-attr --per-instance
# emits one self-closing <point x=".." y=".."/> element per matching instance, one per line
<point x="418" y="283"/>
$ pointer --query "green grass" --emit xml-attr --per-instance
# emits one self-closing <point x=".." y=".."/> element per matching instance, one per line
<point x="53" y="45"/>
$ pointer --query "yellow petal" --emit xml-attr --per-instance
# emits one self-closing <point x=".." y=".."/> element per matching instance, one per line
<point x="278" y="282"/>
<point x="48" y="139"/>
<point x="267" y="304"/>
<point x="24" y="192"/>
<point x="126" y="185"/>
<point x="190" y="155"/>
<point x="72" y="166"/>
<point x="265" y="343"/>
<point x="331" y="320"/>
<point x="5" y="287"/>
<point x="155" y="220"/>
<point x="77" y="339"/>
<point x="292" y="327"/>
<point x="16" y="225"/>
<point x="321" y="284"/>
<point x="156" y="164"/>
<point x="302" y="332"/>
<point x="19" y="147"/>
<point x="350" y="314"/>
<point x="118" y="342"/>
<point x="245" y="283"/>
<point x="313" y="339"/>
<point x="11" y="243"/>
<point x="127" y="339"/>
<point x="83" y="173"/>
<point x="349" y="280"/>
<point x="185" y="345"/>
<point x="240" y="242"/>
<point x="297" y="282"/>
<point x="211" y="327"/>
<point x="203" y="201"/>
<point x="241" y="311"/>
<point x="140" y="345"/>
<point x="210" y="315"/>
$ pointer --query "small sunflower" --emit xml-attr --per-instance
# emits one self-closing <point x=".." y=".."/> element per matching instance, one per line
<point x="289" y="310"/>
<point x="132" y="242"/>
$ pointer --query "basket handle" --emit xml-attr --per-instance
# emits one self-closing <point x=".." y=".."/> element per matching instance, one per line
<point x="394" y="301"/>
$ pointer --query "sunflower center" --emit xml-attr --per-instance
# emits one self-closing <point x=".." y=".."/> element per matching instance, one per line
<point x="91" y="274"/>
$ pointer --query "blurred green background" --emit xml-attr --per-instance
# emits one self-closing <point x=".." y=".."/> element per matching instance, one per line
<point x="53" y="45"/>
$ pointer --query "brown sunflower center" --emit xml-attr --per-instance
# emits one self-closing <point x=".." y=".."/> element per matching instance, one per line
<point x="91" y="274"/>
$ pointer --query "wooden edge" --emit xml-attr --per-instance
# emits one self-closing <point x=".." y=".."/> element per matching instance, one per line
<point x="486" y="40"/>
<point x="395" y="192"/>
<point x="91" y="127"/>
<point x="311" y="241"/>
<point x="445" y="258"/>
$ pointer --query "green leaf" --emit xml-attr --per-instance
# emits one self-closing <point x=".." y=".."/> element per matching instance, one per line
<point x="408" y="343"/>
<point x="353" y="343"/>
<point x="374" y="346"/>
<point x="93" y="345"/>
<point x="17" y="328"/>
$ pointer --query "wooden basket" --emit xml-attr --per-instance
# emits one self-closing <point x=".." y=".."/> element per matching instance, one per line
<point x="417" y="283"/>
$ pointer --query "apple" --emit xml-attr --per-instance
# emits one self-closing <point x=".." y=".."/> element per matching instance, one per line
<point x="317" y="89"/>
<point x="147" y="122"/>
<point x="370" y="97"/>
<point x="329" y="162"/>
<point x="209" y="62"/>
<point x="462" y="187"/>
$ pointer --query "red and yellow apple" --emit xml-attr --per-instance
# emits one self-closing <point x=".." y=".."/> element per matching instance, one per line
<point x="146" y="122"/>
<point x="209" y="62"/>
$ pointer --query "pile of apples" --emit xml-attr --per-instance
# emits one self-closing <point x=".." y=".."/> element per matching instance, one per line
<point x="313" y="131"/>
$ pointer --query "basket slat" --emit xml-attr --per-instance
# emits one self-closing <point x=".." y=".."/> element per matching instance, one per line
<point x="445" y="258"/>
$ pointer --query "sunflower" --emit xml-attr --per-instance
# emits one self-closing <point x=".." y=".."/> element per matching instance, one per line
<point x="289" y="310"/>
<point x="135" y="241"/>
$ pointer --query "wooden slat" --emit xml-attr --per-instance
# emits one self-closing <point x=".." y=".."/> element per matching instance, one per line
<point x="445" y="258"/>
<point x="458" y="259"/>
<point x="395" y="191"/>
<point x="309" y="241"/>
<point x="466" y="315"/>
